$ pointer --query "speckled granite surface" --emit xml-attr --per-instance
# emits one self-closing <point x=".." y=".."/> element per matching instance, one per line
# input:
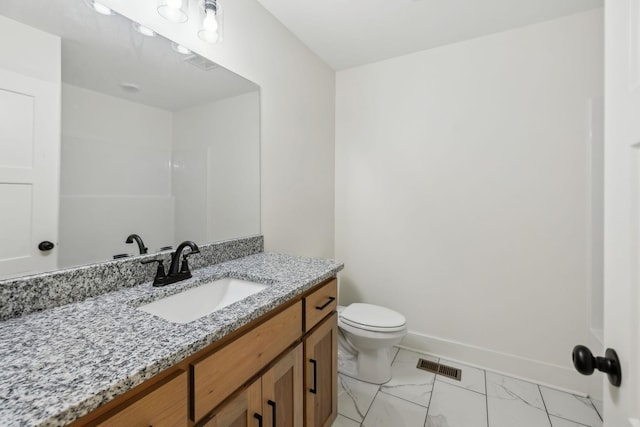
<point x="59" y="364"/>
<point x="38" y="292"/>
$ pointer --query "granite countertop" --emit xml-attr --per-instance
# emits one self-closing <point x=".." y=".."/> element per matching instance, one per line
<point x="60" y="364"/>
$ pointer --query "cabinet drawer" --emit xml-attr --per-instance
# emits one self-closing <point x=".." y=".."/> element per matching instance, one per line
<point x="165" y="405"/>
<point x="216" y="376"/>
<point x="320" y="303"/>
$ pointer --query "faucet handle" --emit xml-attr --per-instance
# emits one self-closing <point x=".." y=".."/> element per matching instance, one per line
<point x="160" y="274"/>
<point x="184" y="267"/>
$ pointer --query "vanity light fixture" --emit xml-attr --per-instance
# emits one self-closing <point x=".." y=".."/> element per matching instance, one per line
<point x="143" y="30"/>
<point x="179" y="48"/>
<point x="211" y="22"/>
<point x="173" y="10"/>
<point x="99" y="7"/>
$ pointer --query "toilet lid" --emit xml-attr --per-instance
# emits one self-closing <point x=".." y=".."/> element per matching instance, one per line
<point x="369" y="316"/>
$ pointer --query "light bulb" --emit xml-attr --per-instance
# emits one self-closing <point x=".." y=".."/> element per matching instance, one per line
<point x="209" y="31"/>
<point x="209" y="22"/>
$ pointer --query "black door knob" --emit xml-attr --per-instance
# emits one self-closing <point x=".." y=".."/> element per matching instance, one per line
<point x="585" y="363"/>
<point x="46" y="246"/>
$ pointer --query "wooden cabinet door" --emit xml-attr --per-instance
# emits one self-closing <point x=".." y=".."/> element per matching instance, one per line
<point x="282" y="393"/>
<point x="218" y="375"/>
<point x="242" y="411"/>
<point x="321" y="373"/>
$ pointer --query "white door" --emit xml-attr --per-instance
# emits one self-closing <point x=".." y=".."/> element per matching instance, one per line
<point x="29" y="173"/>
<point x="622" y="207"/>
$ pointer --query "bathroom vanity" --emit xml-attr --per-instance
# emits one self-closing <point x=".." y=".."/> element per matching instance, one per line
<point x="269" y="357"/>
<point x="265" y="373"/>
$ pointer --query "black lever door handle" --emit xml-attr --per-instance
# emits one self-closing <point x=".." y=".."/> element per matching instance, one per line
<point x="323" y="306"/>
<point x="315" y="376"/>
<point x="585" y="363"/>
<point x="273" y="412"/>
<point x="46" y="246"/>
<point x="259" y="418"/>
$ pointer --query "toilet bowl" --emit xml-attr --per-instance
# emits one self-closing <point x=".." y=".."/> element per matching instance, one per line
<point x="367" y="333"/>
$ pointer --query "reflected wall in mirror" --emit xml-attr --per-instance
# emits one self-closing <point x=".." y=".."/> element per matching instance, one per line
<point x="142" y="138"/>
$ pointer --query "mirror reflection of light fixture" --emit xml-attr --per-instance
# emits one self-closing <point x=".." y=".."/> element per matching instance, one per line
<point x="143" y="30"/>
<point x="99" y="7"/>
<point x="173" y="10"/>
<point x="212" y="22"/>
<point x="180" y="49"/>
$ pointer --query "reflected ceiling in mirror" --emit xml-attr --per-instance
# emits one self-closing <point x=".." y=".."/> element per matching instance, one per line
<point x="155" y="140"/>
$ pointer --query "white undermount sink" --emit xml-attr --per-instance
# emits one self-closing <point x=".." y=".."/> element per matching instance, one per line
<point x="194" y="303"/>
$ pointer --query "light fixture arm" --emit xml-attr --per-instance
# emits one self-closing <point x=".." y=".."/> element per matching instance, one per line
<point x="211" y="5"/>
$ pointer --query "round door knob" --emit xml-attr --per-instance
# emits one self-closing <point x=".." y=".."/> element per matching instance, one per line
<point x="46" y="246"/>
<point x="585" y="363"/>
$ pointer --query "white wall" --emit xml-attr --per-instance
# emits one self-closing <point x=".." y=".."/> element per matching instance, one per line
<point x="116" y="158"/>
<point x="29" y="51"/>
<point x="297" y="118"/>
<point x="216" y="169"/>
<point x="462" y="194"/>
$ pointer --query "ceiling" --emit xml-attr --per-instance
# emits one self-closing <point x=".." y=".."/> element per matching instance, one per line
<point x="355" y="32"/>
<point x="101" y="53"/>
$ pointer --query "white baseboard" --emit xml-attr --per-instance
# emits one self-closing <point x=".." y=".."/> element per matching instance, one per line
<point x="559" y="377"/>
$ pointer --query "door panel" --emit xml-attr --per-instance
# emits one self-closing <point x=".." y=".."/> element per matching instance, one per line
<point x="241" y="411"/>
<point x="282" y="392"/>
<point x="29" y="172"/>
<point x="321" y="374"/>
<point x="622" y="207"/>
<point x="16" y="132"/>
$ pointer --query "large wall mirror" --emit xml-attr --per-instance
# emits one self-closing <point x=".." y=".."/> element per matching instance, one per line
<point x="153" y="140"/>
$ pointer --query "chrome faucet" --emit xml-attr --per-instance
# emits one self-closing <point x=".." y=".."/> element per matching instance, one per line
<point x="173" y="276"/>
<point x="141" y="247"/>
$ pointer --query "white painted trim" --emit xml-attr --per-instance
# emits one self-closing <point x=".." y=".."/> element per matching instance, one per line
<point x="553" y="376"/>
<point x="598" y="335"/>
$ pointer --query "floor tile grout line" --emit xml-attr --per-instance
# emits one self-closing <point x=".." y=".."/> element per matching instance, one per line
<point x="349" y="418"/>
<point x="597" y="412"/>
<point x="396" y="356"/>
<point x="356" y="405"/>
<point x="567" y="419"/>
<point x="406" y="400"/>
<point x="463" y="387"/>
<point x="545" y="405"/>
<point x="370" y="405"/>
<point x="486" y="396"/>
<point x="433" y="387"/>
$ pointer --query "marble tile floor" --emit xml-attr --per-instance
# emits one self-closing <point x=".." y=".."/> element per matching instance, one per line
<point x="415" y="398"/>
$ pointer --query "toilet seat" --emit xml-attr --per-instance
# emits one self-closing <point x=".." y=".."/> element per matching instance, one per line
<point x="371" y="317"/>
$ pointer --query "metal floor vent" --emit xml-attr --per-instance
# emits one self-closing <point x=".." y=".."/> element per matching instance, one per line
<point x="438" y="369"/>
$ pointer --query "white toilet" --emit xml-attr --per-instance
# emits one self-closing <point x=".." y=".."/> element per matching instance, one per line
<point x="367" y="333"/>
